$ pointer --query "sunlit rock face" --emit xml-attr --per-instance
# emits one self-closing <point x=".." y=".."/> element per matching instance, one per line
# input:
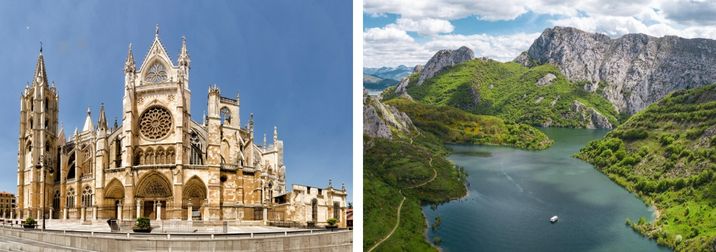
<point x="631" y="71"/>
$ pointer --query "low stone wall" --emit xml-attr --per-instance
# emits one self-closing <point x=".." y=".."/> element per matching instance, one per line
<point x="324" y="241"/>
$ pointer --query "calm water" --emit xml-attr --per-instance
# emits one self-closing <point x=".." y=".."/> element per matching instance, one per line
<point x="513" y="193"/>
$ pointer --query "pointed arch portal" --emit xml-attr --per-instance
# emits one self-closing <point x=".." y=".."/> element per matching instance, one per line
<point x="154" y="188"/>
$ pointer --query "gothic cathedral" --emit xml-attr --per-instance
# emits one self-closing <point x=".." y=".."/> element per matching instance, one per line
<point x="158" y="162"/>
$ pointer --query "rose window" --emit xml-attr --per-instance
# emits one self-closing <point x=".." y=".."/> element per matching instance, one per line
<point x="157" y="73"/>
<point x="155" y="123"/>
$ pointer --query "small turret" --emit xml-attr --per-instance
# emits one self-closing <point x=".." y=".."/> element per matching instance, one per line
<point x="275" y="135"/>
<point x="184" y="60"/>
<point x="88" y="122"/>
<point x="102" y="121"/>
<point x="129" y="66"/>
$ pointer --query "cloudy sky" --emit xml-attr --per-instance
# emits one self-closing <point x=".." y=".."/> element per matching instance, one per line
<point x="270" y="51"/>
<point x="410" y="31"/>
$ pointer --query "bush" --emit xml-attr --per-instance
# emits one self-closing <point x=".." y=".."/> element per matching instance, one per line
<point x="142" y="223"/>
<point x="30" y="221"/>
<point x="332" y="222"/>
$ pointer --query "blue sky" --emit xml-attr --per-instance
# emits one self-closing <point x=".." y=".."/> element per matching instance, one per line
<point x="290" y="60"/>
<point x="397" y="32"/>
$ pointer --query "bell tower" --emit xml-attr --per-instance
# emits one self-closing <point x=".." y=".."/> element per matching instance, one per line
<point x="38" y="143"/>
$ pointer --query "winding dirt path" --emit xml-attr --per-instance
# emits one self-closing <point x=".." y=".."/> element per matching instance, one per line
<point x="397" y="223"/>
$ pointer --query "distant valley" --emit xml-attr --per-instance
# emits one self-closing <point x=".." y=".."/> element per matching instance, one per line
<point x="656" y="93"/>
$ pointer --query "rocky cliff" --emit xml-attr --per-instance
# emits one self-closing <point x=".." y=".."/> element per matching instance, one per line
<point x="381" y="120"/>
<point x="631" y="71"/>
<point x="443" y="59"/>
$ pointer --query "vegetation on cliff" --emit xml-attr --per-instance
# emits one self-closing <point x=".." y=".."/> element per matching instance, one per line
<point x="667" y="155"/>
<point x="539" y="95"/>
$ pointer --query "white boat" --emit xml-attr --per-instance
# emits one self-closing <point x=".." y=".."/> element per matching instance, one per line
<point x="554" y="219"/>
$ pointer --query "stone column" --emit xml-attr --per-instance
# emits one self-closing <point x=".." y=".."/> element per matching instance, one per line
<point x="189" y="211"/>
<point x="82" y="213"/>
<point x="51" y="210"/>
<point x="139" y="208"/>
<point x="119" y="211"/>
<point x="94" y="213"/>
<point x="38" y="214"/>
<point x="265" y="216"/>
<point x="64" y="214"/>
<point x="159" y="211"/>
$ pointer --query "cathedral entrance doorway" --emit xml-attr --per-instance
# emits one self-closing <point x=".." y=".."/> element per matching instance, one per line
<point x="194" y="197"/>
<point x="155" y="191"/>
<point x="150" y="209"/>
<point x="114" y="194"/>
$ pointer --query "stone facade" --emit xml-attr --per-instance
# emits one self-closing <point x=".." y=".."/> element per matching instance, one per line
<point x="156" y="162"/>
<point x="7" y="204"/>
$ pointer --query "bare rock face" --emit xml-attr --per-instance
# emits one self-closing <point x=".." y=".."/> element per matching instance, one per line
<point x="631" y="71"/>
<point x="443" y="59"/>
<point x="379" y="119"/>
<point x="546" y="80"/>
<point x="591" y="117"/>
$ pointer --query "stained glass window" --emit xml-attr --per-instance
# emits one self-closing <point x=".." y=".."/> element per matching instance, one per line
<point x="157" y="73"/>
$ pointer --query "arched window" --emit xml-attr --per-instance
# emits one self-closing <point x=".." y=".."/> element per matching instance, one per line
<point x="47" y="146"/>
<point x="225" y="115"/>
<point x="138" y="157"/>
<point x="171" y="158"/>
<point x="157" y="73"/>
<point x="196" y="154"/>
<point x="71" y="198"/>
<point x="87" y="197"/>
<point x="160" y="156"/>
<point x="71" y="174"/>
<point x="314" y="210"/>
<point x="117" y="153"/>
<point x="337" y="210"/>
<point x="149" y="156"/>
<point x="31" y="123"/>
<point x="47" y="122"/>
<point x="56" y="201"/>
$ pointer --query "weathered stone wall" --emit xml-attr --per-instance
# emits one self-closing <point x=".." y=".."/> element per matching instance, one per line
<point x="327" y="241"/>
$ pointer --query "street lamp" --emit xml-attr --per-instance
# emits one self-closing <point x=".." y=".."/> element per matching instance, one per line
<point x="41" y="166"/>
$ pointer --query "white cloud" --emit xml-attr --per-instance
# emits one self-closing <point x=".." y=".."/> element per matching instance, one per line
<point x="392" y="45"/>
<point x="502" y="48"/>
<point x="427" y="26"/>
<point x="386" y="34"/>
<point x="690" y="12"/>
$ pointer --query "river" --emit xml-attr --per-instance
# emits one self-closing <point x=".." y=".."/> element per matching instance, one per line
<point x="513" y="193"/>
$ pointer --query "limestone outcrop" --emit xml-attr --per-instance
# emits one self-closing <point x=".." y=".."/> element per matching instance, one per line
<point x="592" y="118"/>
<point x="631" y="71"/>
<point x="381" y="120"/>
<point x="443" y="59"/>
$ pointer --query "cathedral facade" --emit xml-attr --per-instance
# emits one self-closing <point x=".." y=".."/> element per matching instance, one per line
<point x="157" y="162"/>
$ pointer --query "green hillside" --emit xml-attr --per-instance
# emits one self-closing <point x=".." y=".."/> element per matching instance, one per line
<point x="510" y="91"/>
<point x="667" y="155"/>
<point x="456" y="126"/>
<point x="414" y="165"/>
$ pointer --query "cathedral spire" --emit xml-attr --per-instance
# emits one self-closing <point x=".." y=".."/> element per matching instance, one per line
<point x="184" y="59"/>
<point x="88" y="121"/>
<point x="61" y="136"/>
<point x="40" y="76"/>
<point x="275" y="135"/>
<point x="156" y="31"/>
<point x="102" y="119"/>
<point x="129" y="66"/>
